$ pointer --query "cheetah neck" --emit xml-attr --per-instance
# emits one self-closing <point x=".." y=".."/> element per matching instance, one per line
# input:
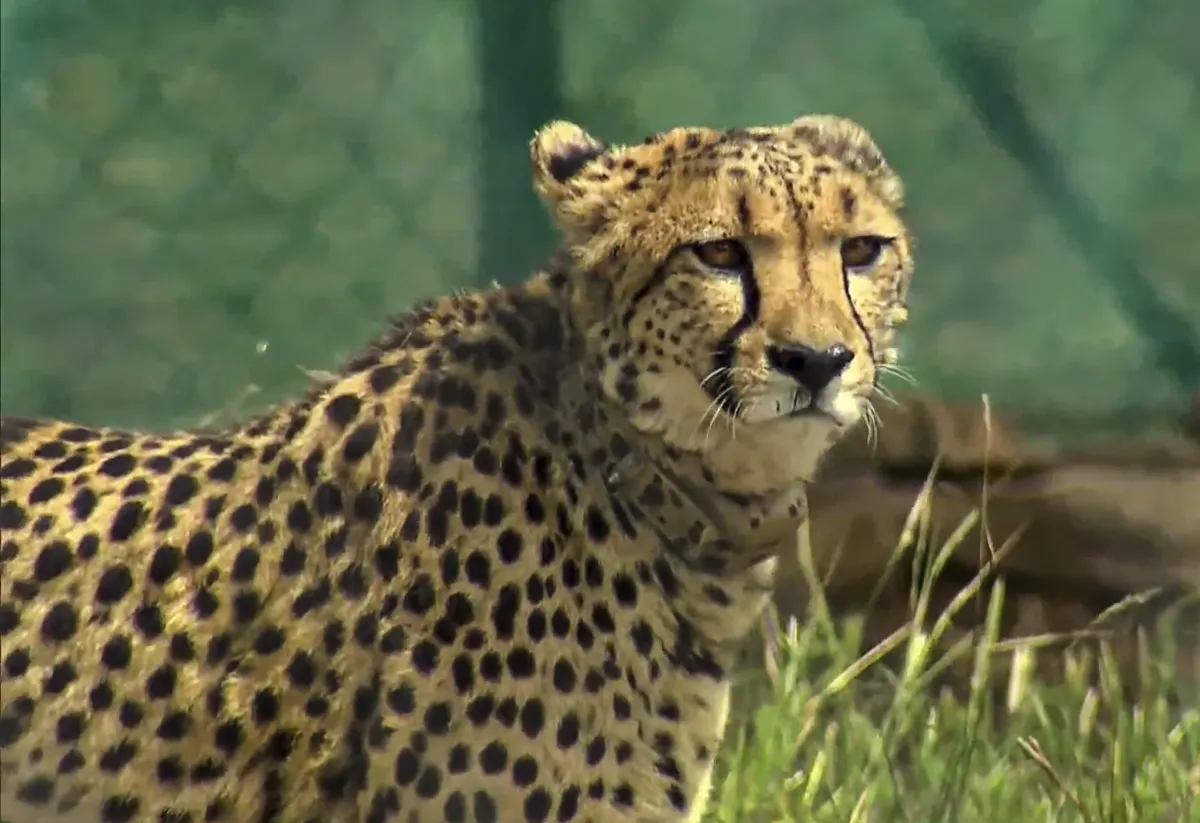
<point x="739" y="531"/>
<point x="708" y="536"/>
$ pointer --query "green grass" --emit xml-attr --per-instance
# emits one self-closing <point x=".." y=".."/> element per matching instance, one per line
<point x="823" y="734"/>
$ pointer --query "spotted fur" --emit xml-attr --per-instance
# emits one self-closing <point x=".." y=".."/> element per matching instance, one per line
<point x="498" y="567"/>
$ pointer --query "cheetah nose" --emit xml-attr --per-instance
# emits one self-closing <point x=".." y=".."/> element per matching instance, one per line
<point x="812" y="369"/>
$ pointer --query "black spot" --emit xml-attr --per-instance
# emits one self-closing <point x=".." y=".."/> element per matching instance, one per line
<point x="291" y="563"/>
<point x="205" y="603"/>
<point x="269" y="640"/>
<point x="128" y="519"/>
<point x="228" y="737"/>
<point x="37" y="791"/>
<point x="643" y="637"/>
<point x="164" y="564"/>
<point x="406" y="767"/>
<point x="383" y="378"/>
<point x="118" y="465"/>
<point x="568" y="731"/>
<point x="114" y="584"/>
<point x="333" y="637"/>
<point x="246" y="606"/>
<point x="425" y="657"/>
<point x="568" y="804"/>
<point x="603" y="619"/>
<point x="454" y="810"/>
<point x="402" y="700"/>
<point x="493" y="510"/>
<point x="182" y="648"/>
<point x="504" y="612"/>
<point x="420" y="596"/>
<point x="101" y="697"/>
<point x="368" y="504"/>
<point x="70" y="727"/>
<point x="366" y="630"/>
<point x="21" y="467"/>
<point x="360" y="441"/>
<point x="148" y="620"/>
<point x="352" y="582"/>
<point x="521" y="663"/>
<point x="244" y="565"/>
<point x="12" y="516"/>
<point x="117" y="653"/>
<point x="622" y="795"/>
<point x="83" y="504"/>
<point x="595" y="751"/>
<point x="509" y="545"/>
<point x="181" y="489"/>
<point x="115" y="759"/>
<point x="493" y="758"/>
<point x="60" y="623"/>
<point x="299" y="518"/>
<point x="394" y="641"/>
<point x="46" y="490"/>
<point x="174" y="726"/>
<point x="480" y="709"/>
<point x="533" y="717"/>
<point x="302" y="670"/>
<point x="597" y="526"/>
<point x="170" y="770"/>
<point x="484" y="807"/>
<point x="342" y="410"/>
<point x="387" y="561"/>
<point x="537" y="805"/>
<point x="16" y="662"/>
<point x="328" y="501"/>
<point x="479" y="569"/>
<point x="223" y="470"/>
<point x="89" y="546"/>
<point x="53" y="561"/>
<point x="10" y="618"/>
<point x="437" y="718"/>
<point x="572" y="158"/>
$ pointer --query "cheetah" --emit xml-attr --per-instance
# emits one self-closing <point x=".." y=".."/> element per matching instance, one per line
<point x="495" y="568"/>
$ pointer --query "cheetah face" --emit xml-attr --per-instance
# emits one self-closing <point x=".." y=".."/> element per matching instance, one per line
<point x="740" y="290"/>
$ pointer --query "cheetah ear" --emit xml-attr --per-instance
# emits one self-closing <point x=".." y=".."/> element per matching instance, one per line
<point x="559" y="153"/>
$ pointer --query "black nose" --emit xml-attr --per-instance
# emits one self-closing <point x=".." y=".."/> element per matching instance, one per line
<point x="812" y="369"/>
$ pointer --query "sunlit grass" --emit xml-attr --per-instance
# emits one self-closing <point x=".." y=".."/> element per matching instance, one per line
<point x="826" y="734"/>
<point x="879" y="745"/>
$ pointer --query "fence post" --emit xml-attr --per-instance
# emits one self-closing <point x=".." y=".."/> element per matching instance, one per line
<point x="518" y="49"/>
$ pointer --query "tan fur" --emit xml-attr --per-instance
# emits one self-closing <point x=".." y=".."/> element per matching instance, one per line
<point x="499" y="566"/>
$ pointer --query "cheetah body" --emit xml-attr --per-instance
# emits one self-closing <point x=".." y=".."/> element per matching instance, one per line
<point x="497" y="568"/>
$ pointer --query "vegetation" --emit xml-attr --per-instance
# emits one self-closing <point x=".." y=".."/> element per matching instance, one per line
<point x="824" y="734"/>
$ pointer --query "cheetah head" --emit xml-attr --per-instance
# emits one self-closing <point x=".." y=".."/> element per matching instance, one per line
<point x="739" y="291"/>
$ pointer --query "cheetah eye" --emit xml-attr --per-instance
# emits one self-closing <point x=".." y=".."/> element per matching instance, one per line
<point x="726" y="255"/>
<point x="860" y="254"/>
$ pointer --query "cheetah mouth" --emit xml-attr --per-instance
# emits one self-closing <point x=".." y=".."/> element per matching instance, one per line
<point x="819" y="407"/>
<point x="813" y="412"/>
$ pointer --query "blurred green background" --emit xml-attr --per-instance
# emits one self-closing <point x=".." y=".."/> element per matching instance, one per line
<point x="198" y="197"/>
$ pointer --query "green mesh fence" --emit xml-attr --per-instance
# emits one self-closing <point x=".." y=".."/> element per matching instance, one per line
<point x="201" y="197"/>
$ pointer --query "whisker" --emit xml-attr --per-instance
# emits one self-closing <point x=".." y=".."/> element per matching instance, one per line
<point x="899" y="372"/>
<point x="713" y="421"/>
<point x="713" y="408"/>
<point x="717" y="372"/>
<point x="886" y="394"/>
<point x="738" y="410"/>
<point x="873" y="422"/>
